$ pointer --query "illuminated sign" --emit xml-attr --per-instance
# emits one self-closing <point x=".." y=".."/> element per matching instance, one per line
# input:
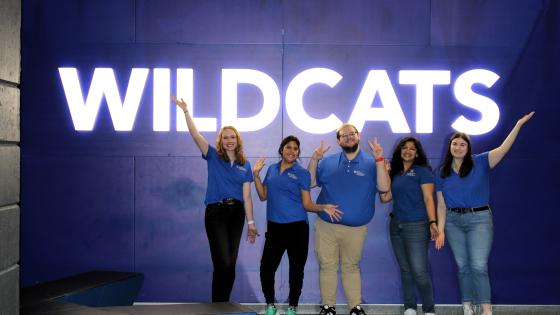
<point x="123" y="113"/>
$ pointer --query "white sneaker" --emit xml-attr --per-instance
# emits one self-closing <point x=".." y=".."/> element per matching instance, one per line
<point x="410" y="311"/>
<point x="468" y="309"/>
<point x="429" y="313"/>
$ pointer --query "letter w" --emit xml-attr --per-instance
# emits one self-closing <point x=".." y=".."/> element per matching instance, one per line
<point x="103" y="83"/>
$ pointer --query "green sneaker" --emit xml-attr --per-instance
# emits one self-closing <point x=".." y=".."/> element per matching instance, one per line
<point x="290" y="311"/>
<point x="270" y="310"/>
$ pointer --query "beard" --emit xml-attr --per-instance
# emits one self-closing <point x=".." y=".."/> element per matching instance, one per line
<point x="351" y="149"/>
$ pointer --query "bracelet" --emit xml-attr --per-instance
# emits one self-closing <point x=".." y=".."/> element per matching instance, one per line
<point x="432" y="221"/>
<point x="251" y="222"/>
<point x="186" y="111"/>
<point x="379" y="159"/>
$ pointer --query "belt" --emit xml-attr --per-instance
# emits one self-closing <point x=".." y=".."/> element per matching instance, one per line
<point x="467" y="210"/>
<point x="228" y="202"/>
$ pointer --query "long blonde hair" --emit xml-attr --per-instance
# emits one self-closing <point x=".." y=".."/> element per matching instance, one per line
<point x="239" y="155"/>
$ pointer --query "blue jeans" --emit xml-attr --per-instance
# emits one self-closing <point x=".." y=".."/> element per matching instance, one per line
<point x="410" y="245"/>
<point x="470" y="237"/>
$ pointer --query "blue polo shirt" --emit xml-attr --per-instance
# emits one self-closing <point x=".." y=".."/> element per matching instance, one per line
<point x="470" y="191"/>
<point x="408" y="199"/>
<point x="351" y="185"/>
<point x="284" y="203"/>
<point x="224" y="179"/>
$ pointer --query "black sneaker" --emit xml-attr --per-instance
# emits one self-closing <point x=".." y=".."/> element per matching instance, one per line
<point x="327" y="310"/>
<point x="357" y="310"/>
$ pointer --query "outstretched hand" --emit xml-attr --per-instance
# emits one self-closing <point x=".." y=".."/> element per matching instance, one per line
<point x="258" y="166"/>
<point x="320" y="151"/>
<point x="181" y="103"/>
<point x="376" y="148"/>
<point x="525" y="118"/>
<point x="333" y="212"/>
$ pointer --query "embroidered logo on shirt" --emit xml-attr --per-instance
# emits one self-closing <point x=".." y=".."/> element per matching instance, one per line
<point x="411" y="173"/>
<point x="241" y="168"/>
<point x="292" y="176"/>
<point x="359" y="173"/>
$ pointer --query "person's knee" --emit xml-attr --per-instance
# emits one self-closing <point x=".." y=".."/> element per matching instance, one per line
<point x="350" y="268"/>
<point x="420" y="276"/>
<point x="479" y="267"/>
<point x="226" y="265"/>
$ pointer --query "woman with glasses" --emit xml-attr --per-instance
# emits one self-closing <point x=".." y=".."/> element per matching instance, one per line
<point x="464" y="215"/>
<point x="286" y="188"/>
<point x="413" y="221"/>
<point x="228" y="202"/>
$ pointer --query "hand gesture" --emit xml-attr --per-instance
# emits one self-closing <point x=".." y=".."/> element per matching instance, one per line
<point x="525" y="118"/>
<point x="252" y="233"/>
<point x="181" y="103"/>
<point x="440" y="240"/>
<point x="434" y="232"/>
<point x="376" y="148"/>
<point x="333" y="212"/>
<point x="320" y="151"/>
<point x="258" y="166"/>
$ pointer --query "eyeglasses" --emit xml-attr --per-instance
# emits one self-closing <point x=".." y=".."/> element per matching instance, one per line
<point x="348" y="135"/>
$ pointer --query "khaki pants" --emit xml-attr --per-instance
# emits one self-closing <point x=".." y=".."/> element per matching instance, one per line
<point x="334" y="243"/>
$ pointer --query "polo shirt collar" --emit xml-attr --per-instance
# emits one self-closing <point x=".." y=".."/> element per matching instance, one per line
<point x="293" y="167"/>
<point x="344" y="159"/>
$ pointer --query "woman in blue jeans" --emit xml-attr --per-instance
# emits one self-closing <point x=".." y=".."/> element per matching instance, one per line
<point x="413" y="221"/>
<point x="464" y="215"/>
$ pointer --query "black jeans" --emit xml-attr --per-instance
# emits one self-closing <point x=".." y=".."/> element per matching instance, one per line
<point x="224" y="225"/>
<point x="294" y="238"/>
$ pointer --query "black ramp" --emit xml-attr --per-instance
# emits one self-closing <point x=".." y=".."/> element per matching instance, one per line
<point x="184" y="309"/>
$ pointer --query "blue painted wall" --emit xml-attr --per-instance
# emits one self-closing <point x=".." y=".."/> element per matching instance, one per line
<point x="133" y="201"/>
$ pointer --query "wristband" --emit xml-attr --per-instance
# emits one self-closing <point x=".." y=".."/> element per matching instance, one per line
<point x="432" y="221"/>
<point x="251" y="222"/>
<point x="379" y="159"/>
<point x="186" y="111"/>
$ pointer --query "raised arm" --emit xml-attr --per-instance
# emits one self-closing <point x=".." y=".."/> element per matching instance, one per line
<point x="261" y="189"/>
<point x="441" y="212"/>
<point x="383" y="179"/>
<point x="496" y="155"/>
<point x="428" y="194"/>
<point x="252" y="232"/>
<point x="200" y="141"/>
<point x="331" y="210"/>
<point x="315" y="158"/>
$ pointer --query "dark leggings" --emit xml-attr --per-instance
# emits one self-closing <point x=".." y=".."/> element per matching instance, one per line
<point x="294" y="238"/>
<point x="224" y="225"/>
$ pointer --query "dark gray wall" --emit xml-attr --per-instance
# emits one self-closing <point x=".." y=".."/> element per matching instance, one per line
<point x="10" y="25"/>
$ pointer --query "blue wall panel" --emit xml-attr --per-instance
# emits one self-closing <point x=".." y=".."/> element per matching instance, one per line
<point x="383" y="22"/>
<point x="209" y="22"/>
<point x="80" y="218"/>
<point x="133" y="201"/>
<point x="483" y="23"/>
